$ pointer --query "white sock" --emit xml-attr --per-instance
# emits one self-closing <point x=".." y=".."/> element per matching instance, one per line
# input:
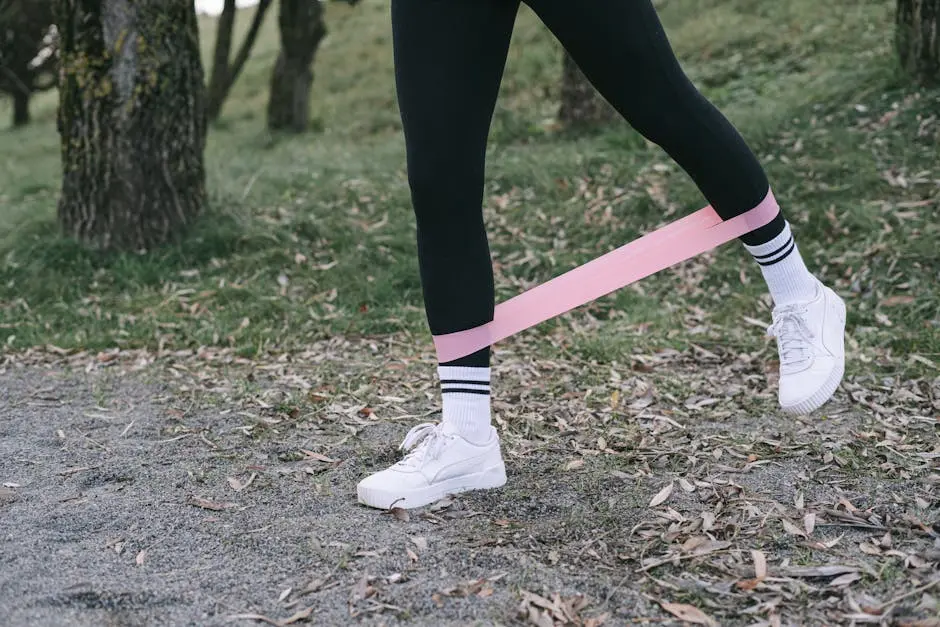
<point x="786" y="275"/>
<point x="465" y="391"/>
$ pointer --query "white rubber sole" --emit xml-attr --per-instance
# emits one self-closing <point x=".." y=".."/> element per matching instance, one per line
<point x="821" y="396"/>
<point x="825" y="392"/>
<point x="494" y="477"/>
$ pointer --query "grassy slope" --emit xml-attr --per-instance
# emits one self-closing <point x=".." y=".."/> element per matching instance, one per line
<point x="313" y="235"/>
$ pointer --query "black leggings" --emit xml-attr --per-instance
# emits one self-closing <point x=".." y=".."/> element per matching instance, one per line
<point x="449" y="60"/>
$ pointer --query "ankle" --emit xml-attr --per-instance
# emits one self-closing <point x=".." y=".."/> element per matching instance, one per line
<point x="465" y="392"/>
<point x="781" y="264"/>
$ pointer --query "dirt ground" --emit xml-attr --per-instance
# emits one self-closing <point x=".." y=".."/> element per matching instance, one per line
<point x="207" y="490"/>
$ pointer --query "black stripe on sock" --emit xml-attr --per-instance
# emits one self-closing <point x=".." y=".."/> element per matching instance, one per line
<point x="463" y="382"/>
<point x="776" y="252"/>
<point x="781" y="257"/>
<point x="464" y="391"/>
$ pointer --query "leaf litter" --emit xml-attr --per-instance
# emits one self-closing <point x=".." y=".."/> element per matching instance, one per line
<point x="762" y="518"/>
<point x="653" y="483"/>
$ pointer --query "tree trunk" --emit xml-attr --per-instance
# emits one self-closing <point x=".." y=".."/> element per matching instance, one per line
<point x="918" y="38"/>
<point x="581" y="105"/>
<point x="132" y="121"/>
<point x="249" y="42"/>
<point x="302" y="30"/>
<point x="223" y="73"/>
<point x="20" y="108"/>
<point x="218" y="76"/>
<point x="23" y="27"/>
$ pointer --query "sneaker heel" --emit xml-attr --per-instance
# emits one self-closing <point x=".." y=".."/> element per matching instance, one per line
<point x="493" y="477"/>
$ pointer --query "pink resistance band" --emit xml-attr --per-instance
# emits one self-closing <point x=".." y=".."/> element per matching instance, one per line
<point x="677" y="241"/>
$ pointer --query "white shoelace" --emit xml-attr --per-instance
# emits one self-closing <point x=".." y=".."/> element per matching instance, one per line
<point x="424" y="441"/>
<point x="793" y="335"/>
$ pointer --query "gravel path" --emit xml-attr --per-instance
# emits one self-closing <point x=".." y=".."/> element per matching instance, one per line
<point x="124" y="501"/>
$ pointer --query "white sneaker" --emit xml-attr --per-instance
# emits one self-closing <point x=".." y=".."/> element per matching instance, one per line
<point x="440" y="463"/>
<point x="811" y="341"/>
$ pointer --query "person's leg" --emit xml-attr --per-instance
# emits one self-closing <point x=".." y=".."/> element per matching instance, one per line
<point x="622" y="48"/>
<point x="449" y="59"/>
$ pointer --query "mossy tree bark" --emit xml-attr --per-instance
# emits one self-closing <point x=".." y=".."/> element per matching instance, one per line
<point x="132" y="121"/>
<point x="918" y="38"/>
<point x="581" y="105"/>
<point x="302" y="29"/>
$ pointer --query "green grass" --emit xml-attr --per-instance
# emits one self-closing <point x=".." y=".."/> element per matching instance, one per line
<point x="311" y="236"/>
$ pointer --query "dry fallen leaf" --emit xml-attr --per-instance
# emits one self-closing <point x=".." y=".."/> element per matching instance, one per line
<point x="792" y="529"/>
<point x="708" y="521"/>
<point x="820" y="546"/>
<point x="399" y="513"/>
<point x="847" y="505"/>
<point x="444" y="503"/>
<point x="536" y="599"/>
<point x="809" y="523"/>
<point x="574" y="464"/>
<point x="844" y="580"/>
<point x="315" y="584"/>
<point x="258" y="617"/>
<point x="661" y="496"/>
<point x="298" y="616"/>
<point x="106" y="357"/>
<point x="694" y="542"/>
<point x="360" y="589"/>
<point x="540" y="619"/>
<point x="318" y="456"/>
<point x="747" y="584"/>
<point x="207" y="504"/>
<point x="891" y="301"/>
<point x="869" y="549"/>
<point x="817" y="571"/>
<point x="760" y="564"/>
<point x="923" y="622"/>
<point x="485" y="591"/>
<point x="760" y="571"/>
<point x="596" y="621"/>
<point x="688" y="613"/>
<point x="702" y="545"/>
<point x="539" y="610"/>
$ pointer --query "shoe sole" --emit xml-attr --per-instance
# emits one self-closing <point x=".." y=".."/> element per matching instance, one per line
<point x="821" y="396"/>
<point x="409" y="499"/>
<point x="824" y="393"/>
